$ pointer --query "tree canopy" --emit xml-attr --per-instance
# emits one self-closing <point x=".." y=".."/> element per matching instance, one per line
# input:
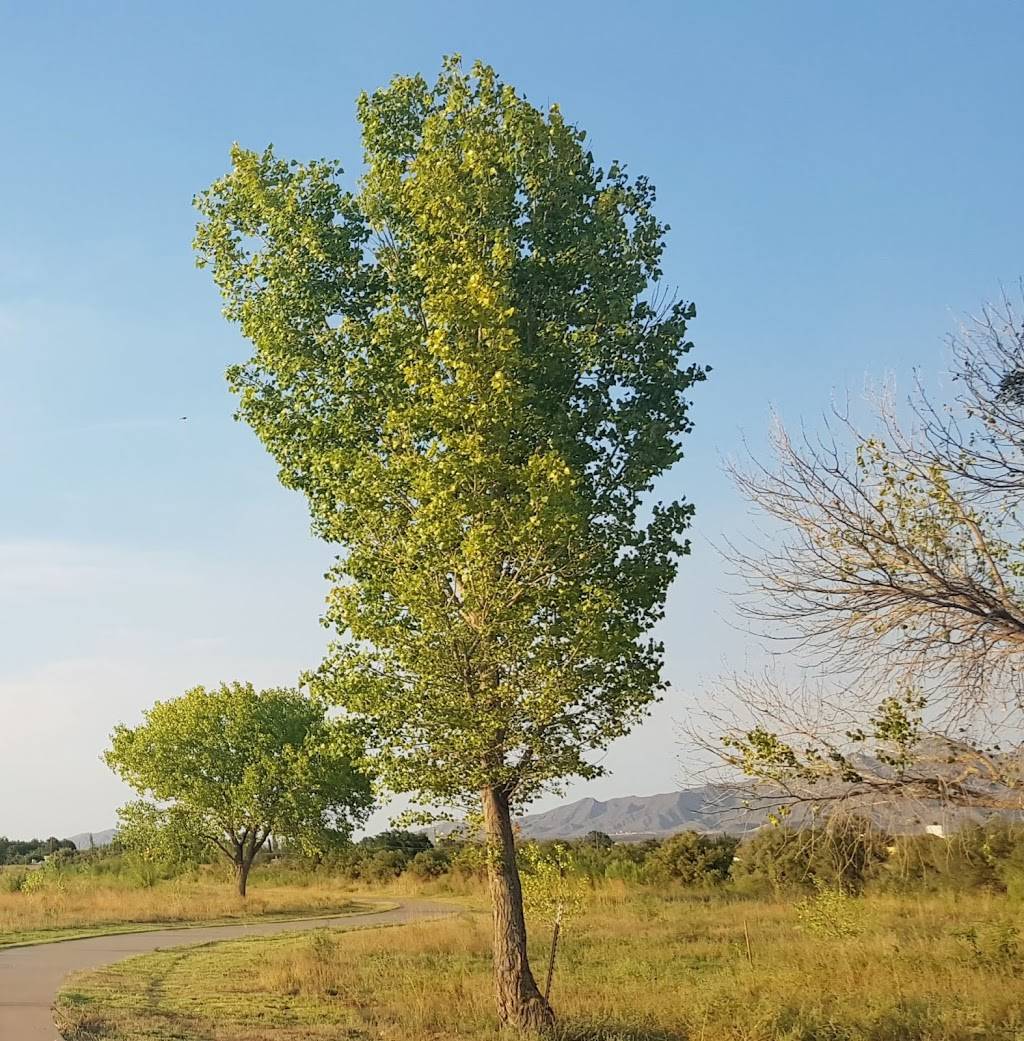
<point x="230" y="767"/>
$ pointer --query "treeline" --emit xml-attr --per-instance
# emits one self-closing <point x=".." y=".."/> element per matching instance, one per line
<point x="850" y="854"/>
<point x="29" y="851"/>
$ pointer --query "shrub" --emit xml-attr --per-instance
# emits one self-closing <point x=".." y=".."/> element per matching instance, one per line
<point x="853" y="850"/>
<point x="408" y="842"/>
<point x="13" y="881"/>
<point x="993" y="945"/>
<point x="429" y="863"/>
<point x="384" y="866"/>
<point x="846" y="853"/>
<point x="830" y="912"/>
<point x="987" y="856"/>
<point x="38" y="881"/>
<point x="469" y="861"/>
<point x="777" y="858"/>
<point x="693" y="859"/>
<point x="597" y="840"/>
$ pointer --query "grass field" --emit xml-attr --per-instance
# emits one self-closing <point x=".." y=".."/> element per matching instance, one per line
<point x="638" y="966"/>
<point x="81" y="905"/>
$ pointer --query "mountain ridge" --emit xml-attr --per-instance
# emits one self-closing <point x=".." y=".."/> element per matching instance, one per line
<point x="624" y="818"/>
<point x="634" y="817"/>
<point x="708" y="808"/>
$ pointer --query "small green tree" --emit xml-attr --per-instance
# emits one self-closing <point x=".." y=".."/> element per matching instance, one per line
<point x="229" y="767"/>
<point x="830" y="912"/>
<point x="553" y="892"/>
<point x="467" y="368"/>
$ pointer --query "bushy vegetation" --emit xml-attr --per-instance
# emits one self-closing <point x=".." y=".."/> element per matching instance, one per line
<point x="849" y="855"/>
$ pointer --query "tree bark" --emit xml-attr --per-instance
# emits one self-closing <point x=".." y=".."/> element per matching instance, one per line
<point x="520" y="1003"/>
<point x="242" y="875"/>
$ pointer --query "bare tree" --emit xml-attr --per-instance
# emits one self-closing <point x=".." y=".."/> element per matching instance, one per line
<point x="893" y="572"/>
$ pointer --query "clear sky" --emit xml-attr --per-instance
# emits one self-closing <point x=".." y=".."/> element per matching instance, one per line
<point x="842" y="181"/>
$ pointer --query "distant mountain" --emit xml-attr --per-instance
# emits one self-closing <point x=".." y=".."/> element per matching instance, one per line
<point x="713" y="808"/>
<point x="99" y="838"/>
<point x="633" y="817"/>
<point x="709" y="808"/>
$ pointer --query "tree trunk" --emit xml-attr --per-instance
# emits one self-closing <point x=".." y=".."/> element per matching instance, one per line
<point x="242" y="875"/>
<point x="520" y="1003"/>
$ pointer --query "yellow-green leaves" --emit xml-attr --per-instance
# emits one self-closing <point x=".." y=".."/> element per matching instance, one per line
<point x="554" y="888"/>
<point x="233" y="765"/>
<point x="462" y="366"/>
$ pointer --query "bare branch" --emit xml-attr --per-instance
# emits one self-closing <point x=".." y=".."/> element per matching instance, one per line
<point x="892" y="569"/>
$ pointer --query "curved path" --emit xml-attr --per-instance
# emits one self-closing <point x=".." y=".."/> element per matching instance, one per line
<point x="31" y="976"/>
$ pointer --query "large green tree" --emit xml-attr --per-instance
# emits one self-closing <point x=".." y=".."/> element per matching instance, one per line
<point x="466" y="369"/>
<point x="233" y="766"/>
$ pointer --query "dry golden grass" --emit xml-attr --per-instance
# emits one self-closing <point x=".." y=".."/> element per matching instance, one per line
<point x="75" y="905"/>
<point x="639" y="967"/>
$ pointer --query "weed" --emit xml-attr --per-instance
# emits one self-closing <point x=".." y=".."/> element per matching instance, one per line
<point x="829" y="912"/>
<point x="993" y="945"/>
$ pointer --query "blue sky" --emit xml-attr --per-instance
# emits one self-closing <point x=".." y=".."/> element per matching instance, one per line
<point x="842" y="182"/>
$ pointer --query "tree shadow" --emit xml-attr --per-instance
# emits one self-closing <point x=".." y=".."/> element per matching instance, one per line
<point x="605" y="1031"/>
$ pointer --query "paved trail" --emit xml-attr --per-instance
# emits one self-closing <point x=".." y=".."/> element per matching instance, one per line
<point x="31" y="976"/>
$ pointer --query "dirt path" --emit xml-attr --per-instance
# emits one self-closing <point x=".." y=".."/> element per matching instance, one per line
<point x="31" y="976"/>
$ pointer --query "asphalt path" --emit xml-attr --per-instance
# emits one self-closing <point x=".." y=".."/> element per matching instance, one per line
<point x="31" y="976"/>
